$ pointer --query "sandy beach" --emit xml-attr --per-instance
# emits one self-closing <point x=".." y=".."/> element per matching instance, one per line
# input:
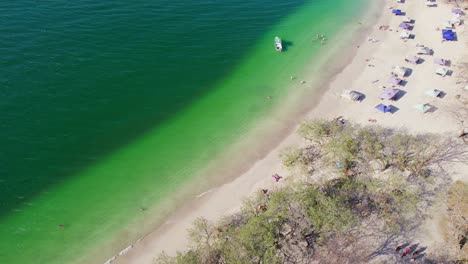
<point x="368" y="72"/>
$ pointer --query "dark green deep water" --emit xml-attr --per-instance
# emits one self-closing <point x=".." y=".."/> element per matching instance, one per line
<point x="106" y="106"/>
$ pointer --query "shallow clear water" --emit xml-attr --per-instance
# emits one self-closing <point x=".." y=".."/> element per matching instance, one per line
<point x="107" y="107"/>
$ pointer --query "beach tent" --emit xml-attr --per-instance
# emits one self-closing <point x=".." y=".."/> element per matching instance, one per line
<point x="394" y="80"/>
<point x="440" y="61"/>
<point x="430" y="3"/>
<point x="405" y="26"/>
<point x="383" y="108"/>
<point x="448" y="34"/>
<point x="424" y="50"/>
<point x="442" y="71"/>
<point x="422" y="107"/>
<point x="405" y="35"/>
<point x="399" y="71"/>
<point x="433" y="93"/>
<point x="406" y="20"/>
<point x="466" y="88"/>
<point x="389" y="94"/>
<point x="457" y="11"/>
<point x="400" y="1"/>
<point x="412" y="59"/>
<point x="351" y="95"/>
<point x="397" y="12"/>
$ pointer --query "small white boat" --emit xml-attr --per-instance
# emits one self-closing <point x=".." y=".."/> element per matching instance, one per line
<point x="278" y="44"/>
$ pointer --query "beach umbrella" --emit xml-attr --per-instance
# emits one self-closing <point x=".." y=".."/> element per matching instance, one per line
<point x="457" y="11"/>
<point x="433" y="93"/>
<point x="351" y="95"/>
<point x="399" y="71"/>
<point x="423" y="108"/>
<point x="407" y="20"/>
<point x="383" y="108"/>
<point x="404" y="34"/>
<point x="442" y="71"/>
<point x="405" y="26"/>
<point x="397" y="12"/>
<point x="412" y="59"/>
<point x="448" y="34"/>
<point x="389" y="94"/>
<point x="430" y="3"/>
<point x="394" y="80"/>
<point x="440" y="61"/>
<point x="423" y="50"/>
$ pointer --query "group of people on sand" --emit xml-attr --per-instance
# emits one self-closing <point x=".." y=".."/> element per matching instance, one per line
<point x="410" y="251"/>
<point x="386" y="27"/>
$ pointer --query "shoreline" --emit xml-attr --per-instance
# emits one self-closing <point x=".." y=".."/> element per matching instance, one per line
<point x="154" y="214"/>
<point x="226" y="198"/>
<point x="240" y="170"/>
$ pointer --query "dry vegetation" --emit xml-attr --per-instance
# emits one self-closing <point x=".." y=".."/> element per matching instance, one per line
<point x="362" y="192"/>
<point x="456" y="219"/>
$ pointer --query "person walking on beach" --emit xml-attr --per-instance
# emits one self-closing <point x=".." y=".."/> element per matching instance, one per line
<point x="276" y="177"/>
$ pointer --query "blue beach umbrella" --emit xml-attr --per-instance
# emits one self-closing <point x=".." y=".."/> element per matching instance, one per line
<point x="448" y="34"/>
<point x="383" y="108"/>
<point x="397" y="12"/>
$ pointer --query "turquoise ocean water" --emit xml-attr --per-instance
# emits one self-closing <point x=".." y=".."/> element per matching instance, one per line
<point x="109" y="106"/>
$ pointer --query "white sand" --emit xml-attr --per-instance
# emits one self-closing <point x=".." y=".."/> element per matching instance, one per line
<point x="388" y="51"/>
